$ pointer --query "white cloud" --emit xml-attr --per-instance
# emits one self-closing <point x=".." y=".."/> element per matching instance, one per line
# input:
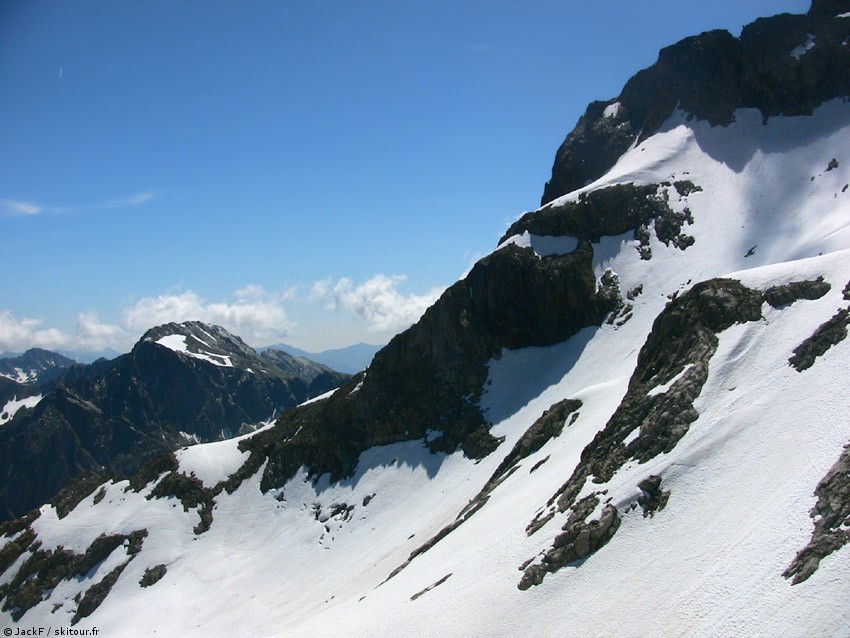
<point x="18" y="335"/>
<point x="320" y="290"/>
<point x="132" y="200"/>
<point x="11" y="208"/>
<point x="93" y="334"/>
<point x="255" y="315"/>
<point x="377" y="300"/>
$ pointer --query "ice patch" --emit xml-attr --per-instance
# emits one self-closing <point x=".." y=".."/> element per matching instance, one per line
<point x="543" y="245"/>
<point x="11" y="408"/>
<point x="612" y="110"/>
<point x="631" y="436"/>
<point x="804" y="48"/>
<point x="661" y="389"/>
<point x="321" y="397"/>
<point x="359" y="385"/>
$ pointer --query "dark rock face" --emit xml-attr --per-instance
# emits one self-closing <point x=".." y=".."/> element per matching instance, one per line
<point x="828" y="8"/>
<point x="430" y="587"/>
<point x="549" y="426"/>
<point x="431" y="376"/>
<point x="77" y="491"/>
<point x="653" y="498"/>
<point x="710" y="76"/>
<point x="605" y="212"/>
<point x="589" y="150"/>
<point x="579" y="539"/>
<point x="700" y="74"/>
<point x="778" y="296"/>
<point x="142" y="404"/>
<point x="779" y="83"/>
<point x="832" y="520"/>
<point x="153" y="575"/>
<point x="191" y="493"/>
<point x="827" y="335"/>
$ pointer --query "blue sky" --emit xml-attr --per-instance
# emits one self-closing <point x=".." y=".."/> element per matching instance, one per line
<point x="312" y="173"/>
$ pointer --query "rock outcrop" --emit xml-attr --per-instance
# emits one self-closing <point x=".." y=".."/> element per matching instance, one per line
<point x="784" y="65"/>
<point x="831" y="516"/>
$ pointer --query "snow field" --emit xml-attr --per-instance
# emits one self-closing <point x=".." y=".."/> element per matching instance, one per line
<point x="741" y="480"/>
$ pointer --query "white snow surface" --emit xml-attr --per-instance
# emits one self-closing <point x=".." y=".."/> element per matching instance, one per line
<point x="710" y="564"/>
<point x="177" y="343"/>
<point x="212" y="462"/>
<point x="7" y="413"/>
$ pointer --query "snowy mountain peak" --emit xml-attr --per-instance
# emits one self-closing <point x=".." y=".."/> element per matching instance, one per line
<point x="204" y="342"/>
<point x="181" y="384"/>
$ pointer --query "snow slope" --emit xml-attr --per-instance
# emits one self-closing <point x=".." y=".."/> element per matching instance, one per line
<point x="8" y="411"/>
<point x="312" y="559"/>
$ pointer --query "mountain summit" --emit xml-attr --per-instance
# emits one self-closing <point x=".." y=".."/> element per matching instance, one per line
<point x="628" y="419"/>
<point x="35" y="366"/>
<point x="182" y="383"/>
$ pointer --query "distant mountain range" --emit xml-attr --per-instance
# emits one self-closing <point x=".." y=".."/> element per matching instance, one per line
<point x="181" y="384"/>
<point x="351" y="359"/>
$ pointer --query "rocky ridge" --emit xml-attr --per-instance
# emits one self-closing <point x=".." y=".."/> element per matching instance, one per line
<point x="783" y="65"/>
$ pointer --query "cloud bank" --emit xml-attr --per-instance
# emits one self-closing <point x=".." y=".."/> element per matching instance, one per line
<point x="20" y="334"/>
<point x="256" y="315"/>
<point x="253" y="314"/>
<point x="376" y="300"/>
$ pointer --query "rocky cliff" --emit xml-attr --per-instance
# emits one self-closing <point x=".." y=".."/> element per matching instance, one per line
<point x="783" y="65"/>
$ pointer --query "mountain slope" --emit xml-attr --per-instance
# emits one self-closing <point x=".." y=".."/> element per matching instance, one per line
<point x="351" y="359"/>
<point x="181" y="384"/>
<point x="320" y="377"/>
<point x="628" y="420"/>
